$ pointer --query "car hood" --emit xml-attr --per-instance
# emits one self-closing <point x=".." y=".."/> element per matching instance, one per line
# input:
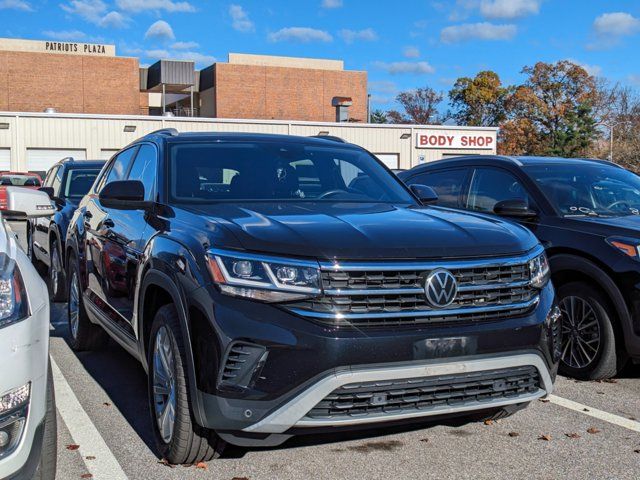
<point x="366" y="231"/>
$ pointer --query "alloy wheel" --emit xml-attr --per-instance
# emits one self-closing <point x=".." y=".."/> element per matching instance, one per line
<point x="164" y="388"/>
<point x="581" y="336"/>
<point x="55" y="270"/>
<point x="74" y="305"/>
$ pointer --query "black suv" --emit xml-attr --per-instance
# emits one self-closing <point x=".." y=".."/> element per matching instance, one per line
<point x="66" y="183"/>
<point x="277" y="285"/>
<point x="585" y="212"/>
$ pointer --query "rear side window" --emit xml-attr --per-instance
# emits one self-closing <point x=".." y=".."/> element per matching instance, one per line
<point x="447" y="184"/>
<point x="145" y="169"/>
<point x="490" y="186"/>
<point x="120" y="165"/>
<point x="79" y="182"/>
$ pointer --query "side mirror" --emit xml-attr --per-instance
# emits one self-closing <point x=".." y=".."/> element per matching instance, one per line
<point x="48" y="191"/>
<point x="27" y="203"/>
<point x="124" y="195"/>
<point x="425" y="194"/>
<point x="516" y="208"/>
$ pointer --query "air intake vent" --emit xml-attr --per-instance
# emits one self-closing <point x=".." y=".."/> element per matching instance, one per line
<point x="242" y="365"/>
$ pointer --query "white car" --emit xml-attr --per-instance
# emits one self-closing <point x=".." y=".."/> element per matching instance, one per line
<point x="27" y="406"/>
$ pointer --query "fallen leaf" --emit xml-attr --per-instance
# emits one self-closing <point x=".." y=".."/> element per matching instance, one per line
<point x="610" y="380"/>
<point x="545" y="437"/>
<point x="632" y="418"/>
<point x="73" y="446"/>
<point x="586" y="410"/>
<point x="166" y="463"/>
<point x="90" y="457"/>
<point x="514" y="434"/>
<point x="572" y="435"/>
<point x="600" y="393"/>
<point x="637" y="450"/>
<point x="202" y="466"/>
<point x="593" y="430"/>
<point x="488" y="422"/>
<point x="106" y="404"/>
<point x="425" y="440"/>
<point x="544" y="400"/>
<point x="86" y="475"/>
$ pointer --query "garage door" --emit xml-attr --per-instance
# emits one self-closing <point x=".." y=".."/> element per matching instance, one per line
<point x="107" y="153"/>
<point x="41" y="159"/>
<point x="5" y="159"/>
<point x="391" y="160"/>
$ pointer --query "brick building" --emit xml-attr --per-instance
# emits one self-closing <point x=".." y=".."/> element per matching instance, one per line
<point x="74" y="77"/>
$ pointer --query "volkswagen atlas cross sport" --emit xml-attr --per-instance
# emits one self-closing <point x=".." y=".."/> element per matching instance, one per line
<point x="278" y="285"/>
<point x="586" y="212"/>
<point x="27" y="410"/>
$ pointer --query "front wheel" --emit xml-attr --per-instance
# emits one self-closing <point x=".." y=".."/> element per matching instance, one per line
<point x="179" y="438"/>
<point x="589" y="344"/>
<point x="56" y="274"/>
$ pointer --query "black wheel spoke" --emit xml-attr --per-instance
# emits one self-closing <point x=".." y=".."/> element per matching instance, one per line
<point x="580" y="332"/>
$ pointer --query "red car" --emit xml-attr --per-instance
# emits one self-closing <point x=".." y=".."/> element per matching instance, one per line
<point x="17" y="179"/>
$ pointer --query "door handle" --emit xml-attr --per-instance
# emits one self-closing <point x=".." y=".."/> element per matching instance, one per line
<point x="108" y="223"/>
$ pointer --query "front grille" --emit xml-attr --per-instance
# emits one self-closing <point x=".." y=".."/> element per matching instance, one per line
<point x="415" y="394"/>
<point x="386" y="294"/>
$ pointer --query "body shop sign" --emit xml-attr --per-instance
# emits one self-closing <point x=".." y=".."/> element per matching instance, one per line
<point x="456" y="139"/>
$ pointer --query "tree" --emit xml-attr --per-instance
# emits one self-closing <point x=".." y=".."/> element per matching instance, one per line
<point x="378" y="116"/>
<point x="557" y="101"/>
<point x="479" y="101"/>
<point x="420" y="106"/>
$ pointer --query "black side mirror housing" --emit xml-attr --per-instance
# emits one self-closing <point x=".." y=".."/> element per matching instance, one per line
<point x="516" y="208"/>
<point x="124" y="195"/>
<point x="426" y="195"/>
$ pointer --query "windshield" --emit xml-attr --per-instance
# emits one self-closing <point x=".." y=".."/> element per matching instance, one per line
<point x="19" y="181"/>
<point x="79" y="182"/>
<point x="589" y="190"/>
<point x="261" y="171"/>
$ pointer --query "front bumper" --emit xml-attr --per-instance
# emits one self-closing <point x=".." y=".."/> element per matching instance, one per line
<point x="306" y="361"/>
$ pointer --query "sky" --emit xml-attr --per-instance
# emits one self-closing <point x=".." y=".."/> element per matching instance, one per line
<point x="402" y="45"/>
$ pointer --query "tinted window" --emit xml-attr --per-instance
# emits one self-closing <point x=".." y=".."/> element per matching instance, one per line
<point x="48" y="182"/>
<point x="120" y="165"/>
<point x="588" y="189"/>
<point x="490" y="186"/>
<point x="446" y="183"/>
<point x="20" y="180"/>
<point x="57" y="182"/>
<point x="203" y="172"/>
<point x="144" y="169"/>
<point x="78" y="182"/>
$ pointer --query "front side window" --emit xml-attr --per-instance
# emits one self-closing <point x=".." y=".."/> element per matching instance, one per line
<point x="79" y="182"/>
<point x="144" y="168"/>
<point x="492" y="185"/>
<point x="48" y="181"/>
<point x="589" y="189"/>
<point x="446" y="183"/>
<point x="57" y="182"/>
<point x="265" y="171"/>
<point x="120" y="165"/>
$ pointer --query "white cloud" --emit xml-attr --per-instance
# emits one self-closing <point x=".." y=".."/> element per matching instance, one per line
<point x="196" y="57"/>
<point x="331" y="3"/>
<point x="509" y="8"/>
<point x="241" y="21"/>
<point x="157" y="54"/>
<point x="381" y="99"/>
<point x="634" y="79"/>
<point x="411" y="52"/>
<point x="594" y="70"/>
<point x="65" y="35"/>
<point x="16" y="5"/>
<point x="160" y="30"/>
<point x="383" y="86"/>
<point x="300" y="35"/>
<point x="142" y="5"/>
<point x="414" y="68"/>
<point x="617" y="24"/>
<point x="350" y="36"/>
<point x="113" y="20"/>
<point x="185" y="45"/>
<point x="477" y="31"/>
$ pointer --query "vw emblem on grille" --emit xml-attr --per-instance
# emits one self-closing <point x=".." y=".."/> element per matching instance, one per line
<point x="440" y="288"/>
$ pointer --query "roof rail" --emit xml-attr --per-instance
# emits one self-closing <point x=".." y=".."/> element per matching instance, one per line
<point x="331" y="138"/>
<point x="165" y="131"/>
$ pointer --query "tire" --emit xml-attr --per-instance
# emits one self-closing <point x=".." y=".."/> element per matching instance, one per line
<point x="182" y="440"/>
<point x="46" y="469"/>
<point x="590" y="349"/>
<point x="83" y="335"/>
<point x="55" y="278"/>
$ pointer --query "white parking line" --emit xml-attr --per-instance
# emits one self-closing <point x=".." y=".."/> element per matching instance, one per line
<point x="104" y="466"/>
<point x="594" y="412"/>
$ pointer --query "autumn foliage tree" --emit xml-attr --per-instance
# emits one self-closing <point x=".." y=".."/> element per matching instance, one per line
<point x="479" y="101"/>
<point x="419" y="106"/>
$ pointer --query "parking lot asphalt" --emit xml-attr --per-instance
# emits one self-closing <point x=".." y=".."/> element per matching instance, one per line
<point x="102" y="401"/>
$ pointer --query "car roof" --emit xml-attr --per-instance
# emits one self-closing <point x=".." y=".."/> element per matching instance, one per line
<point x="71" y="162"/>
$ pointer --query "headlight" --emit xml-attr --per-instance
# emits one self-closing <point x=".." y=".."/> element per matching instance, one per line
<point x="15" y="398"/>
<point x="270" y="279"/>
<point x="13" y="297"/>
<point x="628" y="246"/>
<point x="539" y="271"/>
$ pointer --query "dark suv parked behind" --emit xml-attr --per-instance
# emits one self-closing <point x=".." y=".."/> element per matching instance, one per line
<point x="585" y="212"/>
<point x="275" y="285"/>
<point x="66" y="183"/>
